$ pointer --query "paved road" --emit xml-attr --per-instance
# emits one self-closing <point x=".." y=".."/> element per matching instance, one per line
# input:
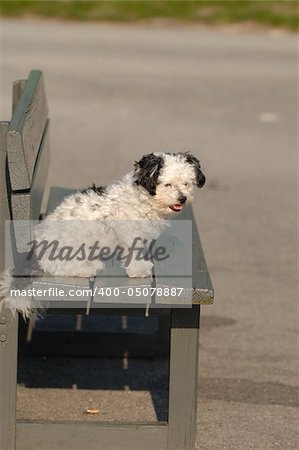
<point x="116" y="92"/>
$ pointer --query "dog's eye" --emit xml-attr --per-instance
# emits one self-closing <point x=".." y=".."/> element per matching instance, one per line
<point x="168" y="185"/>
<point x="186" y="184"/>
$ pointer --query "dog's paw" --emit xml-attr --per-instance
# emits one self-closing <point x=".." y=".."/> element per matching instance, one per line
<point x="140" y="270"/>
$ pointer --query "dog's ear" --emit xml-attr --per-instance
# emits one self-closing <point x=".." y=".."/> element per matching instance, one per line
<point x="200" y="178"/>
<point x="147" y="172"/>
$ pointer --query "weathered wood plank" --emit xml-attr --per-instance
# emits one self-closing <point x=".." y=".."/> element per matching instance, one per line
<point x="197" y="289"/>
<point x="40" y="174"/>
<point x="3" y="188"/>
<point x="113" y="287"/>
<point x="203" y="288"/>
<point x="26" y="131"/>
<point x="26" y="205"/>
<point x="91" y="436"/>
<point x="17" y="91"/>
<point x="183" y="378"/>
<point x="8" y="325"/>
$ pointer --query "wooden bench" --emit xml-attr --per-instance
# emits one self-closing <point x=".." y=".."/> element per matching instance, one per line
<point x="24" y="153"/>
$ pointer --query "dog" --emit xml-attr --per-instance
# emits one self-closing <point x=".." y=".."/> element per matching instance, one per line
<point x="139" y="204"/>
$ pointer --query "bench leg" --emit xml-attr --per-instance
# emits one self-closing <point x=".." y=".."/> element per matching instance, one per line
<point x="8" y="378"/>
<point x="183" y="378"/>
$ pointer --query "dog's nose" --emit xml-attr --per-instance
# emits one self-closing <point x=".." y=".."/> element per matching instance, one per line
<point x="182" y="199"/>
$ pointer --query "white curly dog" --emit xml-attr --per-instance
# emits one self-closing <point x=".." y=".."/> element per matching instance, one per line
<point x="139" y="204"/>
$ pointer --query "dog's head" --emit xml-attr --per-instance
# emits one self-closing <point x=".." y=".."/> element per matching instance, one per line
<point x="169" y="178"/>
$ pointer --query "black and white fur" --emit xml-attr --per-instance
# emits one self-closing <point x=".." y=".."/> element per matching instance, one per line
<point x="160" y="185"/>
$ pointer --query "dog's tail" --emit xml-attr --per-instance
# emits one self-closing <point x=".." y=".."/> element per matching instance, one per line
<point x="15" y="295"/>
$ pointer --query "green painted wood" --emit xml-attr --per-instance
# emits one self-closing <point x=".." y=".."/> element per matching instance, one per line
<point x="4" y="214"/>
<point x="26" y="131"/>
<point x="40" y="174"/>
<point x="199" y="289"/>
<point x="8" y="325"/>
<point x="26" y="205"/>
<point x="183" y="378"/>
<point x="17" y="91"/>
<point x="8" y="378"/>
<point x="125" y="291"/>
<point x="91" y="436"/>
<point x="203" y="293"/>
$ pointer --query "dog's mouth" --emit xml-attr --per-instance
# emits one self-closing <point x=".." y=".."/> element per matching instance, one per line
<point x="177" y="207"/>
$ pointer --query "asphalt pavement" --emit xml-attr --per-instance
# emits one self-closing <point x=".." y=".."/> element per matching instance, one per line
<point x="230" y="96"/>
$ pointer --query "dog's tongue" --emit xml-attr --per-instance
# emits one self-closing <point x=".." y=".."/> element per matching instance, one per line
<point x="177" y="207"/>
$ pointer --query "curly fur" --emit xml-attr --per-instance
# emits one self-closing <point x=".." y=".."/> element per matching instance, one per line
<point x="161" y="184"/>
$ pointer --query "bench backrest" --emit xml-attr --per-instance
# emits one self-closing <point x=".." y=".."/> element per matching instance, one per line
<point x="25" y="154"/>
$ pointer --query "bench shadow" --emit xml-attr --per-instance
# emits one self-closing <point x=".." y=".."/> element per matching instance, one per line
<point x="98" y="373"/>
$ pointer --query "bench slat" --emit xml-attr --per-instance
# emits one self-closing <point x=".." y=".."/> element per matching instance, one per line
<point x="26" y="131"/>
<point x="125" y="291"/>
<point x="91" y="436"/>
<point x="27" y="205"/>
<point x="199" y="289"/>
<point x="17" y="91"/>
<point x="203" y="288"/>
<point x="3" y="188"/>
